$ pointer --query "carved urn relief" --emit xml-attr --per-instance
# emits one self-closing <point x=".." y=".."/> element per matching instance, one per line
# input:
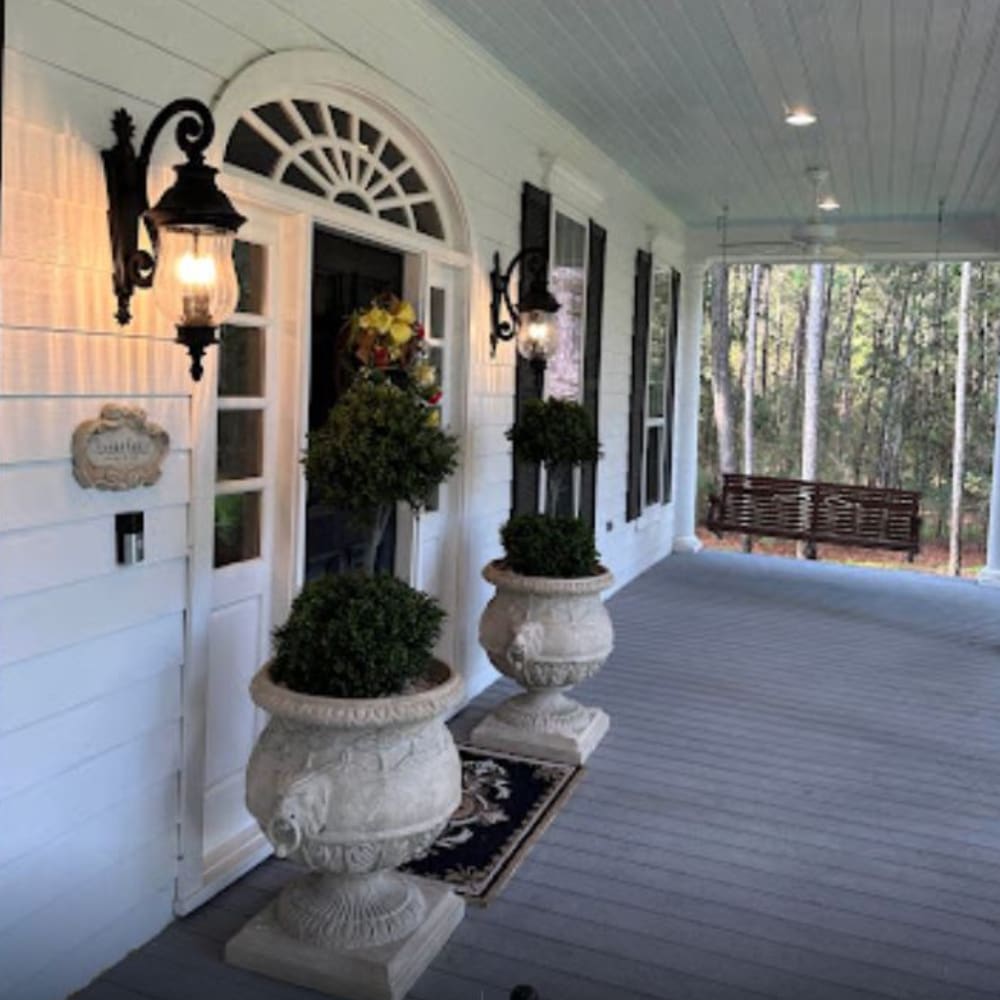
<point x="548" y="634"/>
<point x="352" y="788"/>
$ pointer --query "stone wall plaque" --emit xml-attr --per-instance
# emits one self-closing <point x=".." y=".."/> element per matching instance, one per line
<point x="121" y="450"/>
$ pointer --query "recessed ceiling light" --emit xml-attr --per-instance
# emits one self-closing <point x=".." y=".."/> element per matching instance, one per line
<point x="800" y="117"/>
<point x="828" y="204"/>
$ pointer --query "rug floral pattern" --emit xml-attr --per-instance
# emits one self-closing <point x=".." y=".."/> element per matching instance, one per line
<point x="506" y="803"/>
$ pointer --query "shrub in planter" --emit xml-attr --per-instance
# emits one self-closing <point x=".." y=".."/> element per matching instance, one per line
<point x="355" y="772"/>
<point x="546" y="626"/>
<point x="380" y="445"/>
<point x="557" y="434"/>
<point x="543" y="545"/>
<point x="356" y="636"/>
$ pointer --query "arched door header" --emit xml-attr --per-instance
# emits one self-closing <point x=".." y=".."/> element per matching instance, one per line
<point x="332" y="152"/>
<point x="329" y="128"/>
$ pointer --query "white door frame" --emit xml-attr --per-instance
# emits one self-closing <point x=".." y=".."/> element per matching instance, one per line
<point x="295" y="219"/>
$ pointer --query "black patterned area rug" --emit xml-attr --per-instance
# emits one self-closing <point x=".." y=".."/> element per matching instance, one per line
<point x="507" y="802"/>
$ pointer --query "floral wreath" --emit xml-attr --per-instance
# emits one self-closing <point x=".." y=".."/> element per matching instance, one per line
<point x="388" y="343"/>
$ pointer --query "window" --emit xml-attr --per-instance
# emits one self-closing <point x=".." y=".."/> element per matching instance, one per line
<point x="568" y="282"/>
<point x="575" y="250"/>
<point x="564" y="371"/>
<point x="436" y="328"/>
<point x="657" y="370"/>
<point x="654" y="350"/>
<point x="239" y="463"/>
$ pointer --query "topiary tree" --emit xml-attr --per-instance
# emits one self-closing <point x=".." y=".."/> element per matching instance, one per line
<point x="559" y="435"/>
<point x="381" y="445"/>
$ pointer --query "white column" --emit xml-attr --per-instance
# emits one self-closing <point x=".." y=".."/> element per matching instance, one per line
<point x="990" y="573"/>
<point x="686" y="407"/>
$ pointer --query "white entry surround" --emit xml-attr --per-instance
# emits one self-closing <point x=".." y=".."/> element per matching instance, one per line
<point x="122" y="803"/>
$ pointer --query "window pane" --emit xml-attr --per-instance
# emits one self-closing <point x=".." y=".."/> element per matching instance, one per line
<point x="434" y="500"/>
<point x="564" y="373"/>
<point x="654" y="466"/>
<point x="436" y="327"/>
<point x="659" y="326"/>
<point x="240" y="444"/>
<point x="241" y="361"/>
<point x="435" y="357"/>
<point x="251" y="267"/>
<point x="237" y="528"/>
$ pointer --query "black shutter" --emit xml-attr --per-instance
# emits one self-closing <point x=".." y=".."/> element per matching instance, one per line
<point x="668" y="445"/>
<point x="592" y="362"/>
<point x="536" y="209"/>
<point x="637" y="402"/>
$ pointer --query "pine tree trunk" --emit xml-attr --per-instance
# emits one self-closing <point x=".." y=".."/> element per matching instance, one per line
<point x="750" y="370"/>
<point x="750" y="380"/>
<point x="813" y="363"/>
<point x="765" y="315"/>
<point x="958" y="440"/>
<point x="722" y="386"/>
<point x="844" y="366"/>
<point x="797" y="358"/>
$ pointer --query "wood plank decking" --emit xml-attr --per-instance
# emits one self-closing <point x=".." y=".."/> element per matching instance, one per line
<point x="799" y="798"/>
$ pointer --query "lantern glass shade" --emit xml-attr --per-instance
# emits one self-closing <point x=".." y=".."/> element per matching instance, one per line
<point x="537" y="335"/>
<point x="195" y="283"/>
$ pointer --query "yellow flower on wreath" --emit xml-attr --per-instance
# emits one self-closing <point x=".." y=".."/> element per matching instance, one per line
<point x="401" y="326"/>
<point x="376" y="319"/>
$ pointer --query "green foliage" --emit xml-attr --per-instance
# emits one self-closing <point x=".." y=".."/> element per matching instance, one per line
<point x="555" y="432"/>
<point x="377" y="448"/>
<point x="546" y="545"/>
<point x="354" y="636"/>
<point x="887" y="378"/>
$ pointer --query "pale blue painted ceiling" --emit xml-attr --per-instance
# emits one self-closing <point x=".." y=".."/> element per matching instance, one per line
<point x="689" y="96"/>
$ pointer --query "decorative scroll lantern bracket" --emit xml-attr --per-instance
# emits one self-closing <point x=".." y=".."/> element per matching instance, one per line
<point x="191" y="228"/>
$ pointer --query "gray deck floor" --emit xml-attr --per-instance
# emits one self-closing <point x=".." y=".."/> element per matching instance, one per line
<point x="799" y="798"/>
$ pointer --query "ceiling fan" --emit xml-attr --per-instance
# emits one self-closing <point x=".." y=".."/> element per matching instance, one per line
<point x="814" y="237"/>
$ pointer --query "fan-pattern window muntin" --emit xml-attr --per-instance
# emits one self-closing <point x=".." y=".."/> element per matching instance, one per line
<point x="337" y="155"/>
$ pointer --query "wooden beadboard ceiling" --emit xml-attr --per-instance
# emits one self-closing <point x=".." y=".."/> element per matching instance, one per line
<point x="688" y="95"/>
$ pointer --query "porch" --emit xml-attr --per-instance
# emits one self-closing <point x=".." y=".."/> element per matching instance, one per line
<point x="799" y="798"/>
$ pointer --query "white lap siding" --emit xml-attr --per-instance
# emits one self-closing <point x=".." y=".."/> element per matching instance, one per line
<point x="91" y="654"/>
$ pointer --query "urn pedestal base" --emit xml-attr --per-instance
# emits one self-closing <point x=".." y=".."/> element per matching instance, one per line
<point x="543" y="724"/>
<point x="385" y="972"/>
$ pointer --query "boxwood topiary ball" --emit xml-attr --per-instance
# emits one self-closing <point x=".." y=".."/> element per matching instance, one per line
<point x="356" y="636"/>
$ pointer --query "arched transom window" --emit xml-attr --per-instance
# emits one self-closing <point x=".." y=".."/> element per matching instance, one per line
<point x="338" y="155"/>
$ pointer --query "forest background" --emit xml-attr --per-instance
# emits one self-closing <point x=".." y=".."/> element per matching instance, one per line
<point x="881" y="343"/>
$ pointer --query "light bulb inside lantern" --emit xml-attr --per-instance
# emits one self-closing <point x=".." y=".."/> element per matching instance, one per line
<point x="195" y="280"/>
<point x="536" y="338"/>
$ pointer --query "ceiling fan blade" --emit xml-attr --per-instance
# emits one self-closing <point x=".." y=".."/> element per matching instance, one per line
<point x="759" y="243"/>
<point x="877" y="243"/>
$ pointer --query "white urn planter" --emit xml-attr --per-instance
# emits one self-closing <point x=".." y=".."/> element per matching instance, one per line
<point x="352" y="788"/>
<point x="548" y="634"/>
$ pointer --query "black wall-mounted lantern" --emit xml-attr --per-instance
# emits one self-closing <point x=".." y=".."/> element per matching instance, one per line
<point x="191" y="229"/>
<point x="533" y="320"/>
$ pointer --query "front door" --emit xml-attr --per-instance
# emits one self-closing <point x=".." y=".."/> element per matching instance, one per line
<point x="233" y="516"/>
<point x="347" y="275"/>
